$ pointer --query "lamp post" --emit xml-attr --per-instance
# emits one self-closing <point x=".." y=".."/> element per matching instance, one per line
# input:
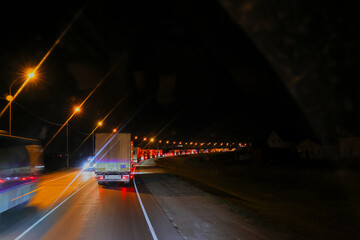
<point x="10" y="97"/>
<point x="99" y="124"/>
<point x="76" y="110"/>
<point x="67" y="145"/>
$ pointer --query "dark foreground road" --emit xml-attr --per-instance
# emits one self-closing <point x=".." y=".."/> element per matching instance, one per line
<point x="84" y="210"/>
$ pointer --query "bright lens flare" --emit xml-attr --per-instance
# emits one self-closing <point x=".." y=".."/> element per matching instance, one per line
<point x="9" y="98"/>
<point x="31" y="75"/>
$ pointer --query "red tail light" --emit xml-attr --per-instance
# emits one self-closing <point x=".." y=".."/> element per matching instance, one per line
<point x="23" y="178"/>
<point x="101" y="178"/>
<point x="131" y="176"/>
<point x="2" y="181"/>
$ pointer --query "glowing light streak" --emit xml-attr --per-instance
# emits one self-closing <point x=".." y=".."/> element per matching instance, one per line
<point x="168" y="124"/>
<point x="84" y="101"/>
<point x="42" y="60"/>
<point x="106" y="116"/>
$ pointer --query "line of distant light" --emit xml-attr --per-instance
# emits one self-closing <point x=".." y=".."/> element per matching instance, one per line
<point x="167" y="125"/>
<point x="43" y="60"/>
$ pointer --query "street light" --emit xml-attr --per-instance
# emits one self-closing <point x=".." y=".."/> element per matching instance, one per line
<point x="10" y="97"/>
<point x="99" y="124"/>
<point x="76" y="110"/>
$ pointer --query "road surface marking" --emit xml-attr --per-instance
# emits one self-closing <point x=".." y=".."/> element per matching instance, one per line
<point x="145" y="214"/>
<point x="51" y="211"/>
<point x="26" y="194"/>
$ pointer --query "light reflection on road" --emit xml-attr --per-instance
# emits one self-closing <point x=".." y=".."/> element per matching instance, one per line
<point x="49" y="191"/>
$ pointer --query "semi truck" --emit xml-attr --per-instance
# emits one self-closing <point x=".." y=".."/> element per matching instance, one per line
<point x="113" y="161"/>
<point x="20" y="168"/>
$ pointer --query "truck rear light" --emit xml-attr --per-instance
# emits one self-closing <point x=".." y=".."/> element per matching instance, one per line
<point x="101" y="177"/>
<point x="124" y="177"/>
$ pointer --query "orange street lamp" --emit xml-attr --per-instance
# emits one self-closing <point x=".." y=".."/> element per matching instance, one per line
<point x="144" y="138"/>
<point x="136" y="137"/>
<point x="114" y="130"/>
<point x="100" y="123"/>
<point x="152" y="139"/>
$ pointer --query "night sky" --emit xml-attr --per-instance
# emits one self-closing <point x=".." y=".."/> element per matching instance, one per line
<point x="187" y="65"/>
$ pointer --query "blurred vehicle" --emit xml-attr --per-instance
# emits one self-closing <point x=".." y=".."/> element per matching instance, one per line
<point x="113" y="158"/>
<point x="20" y="168"/>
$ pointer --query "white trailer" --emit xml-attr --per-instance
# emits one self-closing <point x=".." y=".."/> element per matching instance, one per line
<point x="113" y="158"/>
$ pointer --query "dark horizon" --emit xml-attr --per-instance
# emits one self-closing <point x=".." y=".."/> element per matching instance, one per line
<point x="201" y="70"/>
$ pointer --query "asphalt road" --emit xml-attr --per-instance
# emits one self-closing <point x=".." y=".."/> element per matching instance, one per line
<point x="64" y="208"/>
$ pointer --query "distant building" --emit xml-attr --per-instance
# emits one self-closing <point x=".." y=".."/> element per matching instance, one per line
<point x="349" y="147"/>
<point x="308" y="149"/>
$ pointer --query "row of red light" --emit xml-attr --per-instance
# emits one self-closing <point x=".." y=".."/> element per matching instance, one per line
<point x="124" y="177"/>
<point x="17" y="178"/>
<point x="191" y="143"/>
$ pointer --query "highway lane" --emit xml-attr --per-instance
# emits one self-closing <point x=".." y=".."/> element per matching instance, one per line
<point x="86" y="211"/>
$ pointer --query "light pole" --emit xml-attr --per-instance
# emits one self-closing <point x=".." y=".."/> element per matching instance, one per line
<point x="76" y="110"/>
<point x="10" y="97"/>
<point x="100" y="123"/>
<point x="67" y="145"/>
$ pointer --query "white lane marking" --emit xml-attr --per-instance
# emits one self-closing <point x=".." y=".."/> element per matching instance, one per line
<point x="57" y="178"/>
<point x="145" y="214"/>
<point x="52" y="210"/>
